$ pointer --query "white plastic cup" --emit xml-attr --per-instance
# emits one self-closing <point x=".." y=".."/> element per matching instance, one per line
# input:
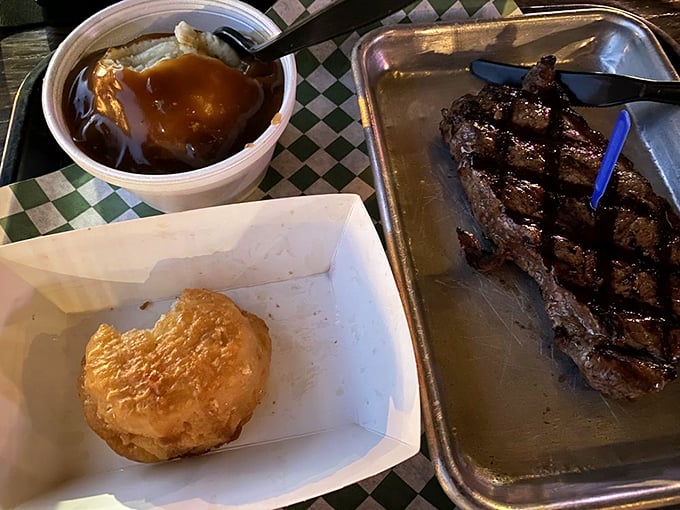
<point x="229" y="180"/>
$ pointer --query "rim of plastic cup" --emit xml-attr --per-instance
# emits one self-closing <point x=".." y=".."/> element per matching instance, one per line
<point x="101" y="23"/>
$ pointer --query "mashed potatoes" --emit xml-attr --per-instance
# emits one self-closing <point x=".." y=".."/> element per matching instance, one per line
<point x="182" y="388"/>
<point x="167" y="103"/>
<point x="141" y="55"/>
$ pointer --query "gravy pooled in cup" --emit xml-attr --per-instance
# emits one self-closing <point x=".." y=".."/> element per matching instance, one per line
<point x="169" y="103"/>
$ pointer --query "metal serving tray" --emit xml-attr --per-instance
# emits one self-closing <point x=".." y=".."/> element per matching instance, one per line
<point x="509" y="420"/>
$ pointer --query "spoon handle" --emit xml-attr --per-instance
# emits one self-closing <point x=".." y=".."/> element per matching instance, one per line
<point x="339" y="18"/>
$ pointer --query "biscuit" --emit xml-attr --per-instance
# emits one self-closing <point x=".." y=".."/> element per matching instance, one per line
<point x="182" y="388"/>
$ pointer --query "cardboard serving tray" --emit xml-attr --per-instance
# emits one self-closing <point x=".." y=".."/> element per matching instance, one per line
<point x="342" y="402"/>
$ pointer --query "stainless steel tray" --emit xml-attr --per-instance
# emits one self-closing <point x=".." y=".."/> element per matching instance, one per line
<point x="509" y="421"/>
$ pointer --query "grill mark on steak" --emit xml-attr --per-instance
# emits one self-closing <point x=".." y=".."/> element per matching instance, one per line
<point x="610" y="279"/>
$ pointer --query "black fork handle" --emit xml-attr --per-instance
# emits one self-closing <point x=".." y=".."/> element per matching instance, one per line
<point x="339" y="18"/>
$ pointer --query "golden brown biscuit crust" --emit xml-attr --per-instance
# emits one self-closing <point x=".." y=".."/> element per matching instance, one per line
<point x="182" y="388"/>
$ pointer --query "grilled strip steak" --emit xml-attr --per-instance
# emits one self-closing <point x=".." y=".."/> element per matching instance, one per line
<point x="610" y="278"/>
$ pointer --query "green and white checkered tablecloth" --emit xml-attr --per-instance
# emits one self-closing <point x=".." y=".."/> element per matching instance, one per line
<point x="322" y="151"/>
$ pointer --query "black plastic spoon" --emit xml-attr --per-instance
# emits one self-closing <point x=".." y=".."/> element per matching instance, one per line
<point x="339" y="18"/>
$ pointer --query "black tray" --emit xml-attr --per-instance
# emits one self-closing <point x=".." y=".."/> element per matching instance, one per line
<point x="30" y="150"/>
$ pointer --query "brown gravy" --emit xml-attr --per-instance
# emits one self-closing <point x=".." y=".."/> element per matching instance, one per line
<point x="181" y="114"/>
